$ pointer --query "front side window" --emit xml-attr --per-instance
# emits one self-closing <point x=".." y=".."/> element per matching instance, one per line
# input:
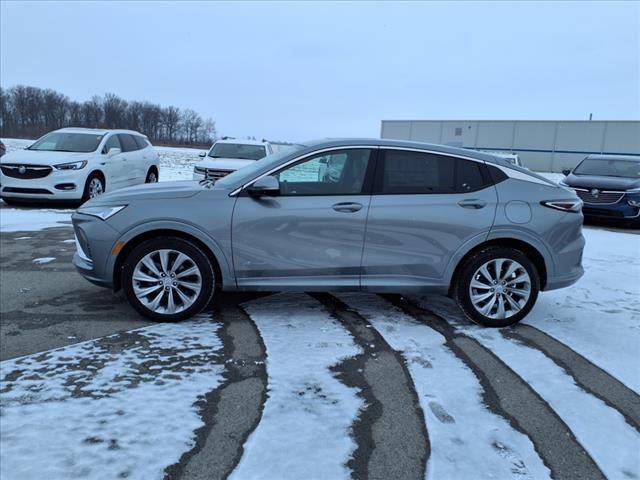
<point x="238" y="150"/>
<point x="127" y="142"/>
<point x="407" y="172"/>
<point x="112" y="142"/>
<point x="341" y="172"/>
<point x="68" y="142"/>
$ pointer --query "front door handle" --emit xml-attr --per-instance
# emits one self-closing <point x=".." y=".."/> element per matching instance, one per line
<point x="472" y="203"/>
<point x="347" y="207"/>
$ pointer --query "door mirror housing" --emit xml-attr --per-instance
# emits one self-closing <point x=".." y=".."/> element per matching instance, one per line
<point x="114" y="151"/>
<point x="202" y="154"/>
<point x="566" y="172"/>
<point x="268" y="186"/>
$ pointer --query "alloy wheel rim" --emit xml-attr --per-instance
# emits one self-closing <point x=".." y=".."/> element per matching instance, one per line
<point x="167" y="281"/>
<point x="500" y="288"/>
<point x="95" y="187"/>
<point x="152" y="178"/>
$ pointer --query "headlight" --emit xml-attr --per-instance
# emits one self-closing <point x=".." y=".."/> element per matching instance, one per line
<point x="72" y="165"/>
<point x="101" y="212"/>
<point x="633" y="190"/>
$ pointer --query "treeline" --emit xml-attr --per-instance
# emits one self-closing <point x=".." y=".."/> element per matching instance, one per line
<point x="30" y="112"/>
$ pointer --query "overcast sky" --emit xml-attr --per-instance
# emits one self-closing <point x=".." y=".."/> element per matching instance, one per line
<point x="294" y="71"/>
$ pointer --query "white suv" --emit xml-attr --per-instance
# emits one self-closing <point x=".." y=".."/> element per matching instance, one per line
<point x="228" y="155"/>
<point x="78" y="164"/>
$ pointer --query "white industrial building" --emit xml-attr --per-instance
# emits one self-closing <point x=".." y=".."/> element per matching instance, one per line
<point x="546" y="146"/>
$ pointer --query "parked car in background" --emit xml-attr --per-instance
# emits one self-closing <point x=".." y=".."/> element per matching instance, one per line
<point x="389" y="216"/>
<point x="228" y="155"/>
<point x="3" y="149"/>
<point x="78" y="164"/>
<point x="609" y="186"/>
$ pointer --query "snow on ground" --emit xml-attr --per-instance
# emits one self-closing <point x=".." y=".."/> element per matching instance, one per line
<point x="306" y="424"/>
<point x="467" y="440"/>
<point x="616" y="453"/>
<point x="177" y="163"/>
<point x="118" y="407"/>
<point x="598" y="317"/>
<point x="19" y="220"/>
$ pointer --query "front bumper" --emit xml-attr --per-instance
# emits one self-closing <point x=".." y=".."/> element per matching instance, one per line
<point x="621" y="210"/>
<point x="95" y="240"/>
<point x="58" y="185"/>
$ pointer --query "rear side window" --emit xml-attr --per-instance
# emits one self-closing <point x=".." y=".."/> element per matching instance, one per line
<point x="407" y="172"/>
<point x="127" y="142"/>
<point x="141" y="141"/>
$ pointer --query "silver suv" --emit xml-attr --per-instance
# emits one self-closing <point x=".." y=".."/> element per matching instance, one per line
<point x="392" y="216"/>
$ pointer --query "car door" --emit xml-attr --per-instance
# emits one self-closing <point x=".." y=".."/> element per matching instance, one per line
<point x="130" y="152"/>
<point x="424" y="208"/>
<point x="145" y="158"/>
<point x="311" y="234"/>
<point x="113" y="165"/>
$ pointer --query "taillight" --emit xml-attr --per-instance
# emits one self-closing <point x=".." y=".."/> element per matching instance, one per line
<point x="574" y="206"/>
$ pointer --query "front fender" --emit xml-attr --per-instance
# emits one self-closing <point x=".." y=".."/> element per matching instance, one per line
<point x="228" y="279"/>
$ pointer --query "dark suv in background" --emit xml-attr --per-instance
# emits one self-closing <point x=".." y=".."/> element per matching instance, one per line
<point x="609" y="186"/>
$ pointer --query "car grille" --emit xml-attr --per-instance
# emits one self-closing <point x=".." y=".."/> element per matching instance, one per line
<point x="211" y="174"/>
<point x="601" y="212"/>
<point x="26" y="172"/>
<point x="34" y="191"/>
<point x="596" y="196"/>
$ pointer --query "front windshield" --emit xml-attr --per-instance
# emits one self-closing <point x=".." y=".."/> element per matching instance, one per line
<point x="238" y="150"/>
<point x="608" y="168"/>
<point x="68" y="142"/>
<point x="247" y="173"/>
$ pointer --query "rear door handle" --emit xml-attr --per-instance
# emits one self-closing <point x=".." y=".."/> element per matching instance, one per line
<point x="347" y="207"/>
<point x="472" y="203"/>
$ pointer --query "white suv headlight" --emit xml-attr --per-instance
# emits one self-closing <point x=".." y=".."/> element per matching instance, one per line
<point x="101" y="212"/>
<point x="72" y="165"/>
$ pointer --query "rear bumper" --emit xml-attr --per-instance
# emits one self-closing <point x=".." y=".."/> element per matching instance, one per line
<point x="562" y="281"/>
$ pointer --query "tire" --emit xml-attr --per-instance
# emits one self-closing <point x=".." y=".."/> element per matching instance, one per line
<point x="152" y="176"/>
<point x="170" y="293"/>
<point x="516" y="298"/>
<point x="90" y="186"/>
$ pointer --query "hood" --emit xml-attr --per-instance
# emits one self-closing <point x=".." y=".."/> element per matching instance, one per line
<point x="148" y="191"/>
<point x="224" y="163"/>
<point x="35" y="157"/>
<point x="600" y="182"/>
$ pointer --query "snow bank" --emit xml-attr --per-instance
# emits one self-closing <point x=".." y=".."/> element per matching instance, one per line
<point x="23" y="220"/>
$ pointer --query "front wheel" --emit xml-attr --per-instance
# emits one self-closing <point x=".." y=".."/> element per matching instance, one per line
<point x="93" y="187"/>
<point x="497" y="287"/>
<point x="168" y="279"/>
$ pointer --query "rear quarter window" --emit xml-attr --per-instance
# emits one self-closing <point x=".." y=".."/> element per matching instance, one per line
<point x="141" y="141"/>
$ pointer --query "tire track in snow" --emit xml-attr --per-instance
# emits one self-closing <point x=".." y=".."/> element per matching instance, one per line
<point x="118" y="407"/>
<point x="468" y="440"/>
<point x="586" y="375"/>
<point x="509" y="395"/>
<point x="231" y="411"/>
<point x="585" y="414"/>
<point x="305" y="429"/>
<point x="390" y="432"/>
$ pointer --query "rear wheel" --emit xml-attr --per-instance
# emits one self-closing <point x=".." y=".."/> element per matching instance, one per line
<point x="168" y="279"/>
<point x="497" y="286"/>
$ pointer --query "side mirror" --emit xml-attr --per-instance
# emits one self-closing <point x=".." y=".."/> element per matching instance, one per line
<point x="202" y="154"/>
<point x="566" y="172"/>
<point x="113" y="151"/>
<point x="264" y="187"/>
